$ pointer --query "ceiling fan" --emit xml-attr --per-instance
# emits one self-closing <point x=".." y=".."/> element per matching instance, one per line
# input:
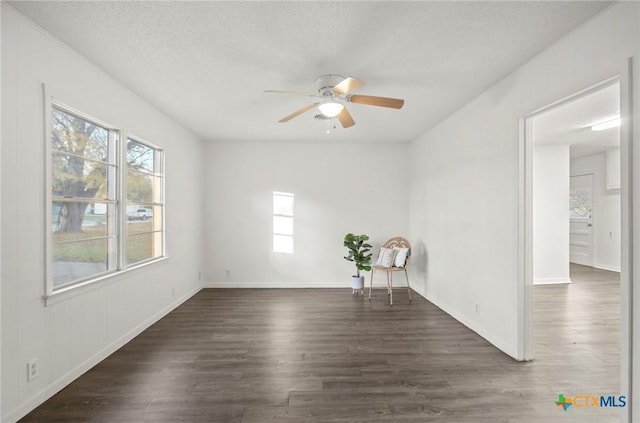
<point x="334" y="91"/>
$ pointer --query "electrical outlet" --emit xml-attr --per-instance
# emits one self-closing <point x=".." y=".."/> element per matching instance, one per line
<point x="477" y="308"/>
<point x="199" y="276"/>
<point x="33" y="369"/>
<point x="173" y="292"/>
<point x="228" y="273"/>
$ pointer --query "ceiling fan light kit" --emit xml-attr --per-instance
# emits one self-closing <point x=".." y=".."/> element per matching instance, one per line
<point x="330" y="108"/>
<point x="334" y="91"/>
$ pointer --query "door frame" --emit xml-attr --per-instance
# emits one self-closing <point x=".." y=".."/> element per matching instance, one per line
<point x="628" y="369"/>
<point x="592" y="236"/>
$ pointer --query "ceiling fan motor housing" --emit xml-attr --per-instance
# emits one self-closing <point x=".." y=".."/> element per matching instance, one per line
<point x="325" y="83"/>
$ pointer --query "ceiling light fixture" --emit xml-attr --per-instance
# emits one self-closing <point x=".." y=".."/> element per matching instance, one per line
<point x="606" y="125"/>
<point x="331" y="108"/>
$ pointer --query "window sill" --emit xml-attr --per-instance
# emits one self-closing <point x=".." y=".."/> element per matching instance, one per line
<point x="81" y="288"/>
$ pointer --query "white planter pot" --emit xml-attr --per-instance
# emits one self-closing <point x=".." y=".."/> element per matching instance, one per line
<point x="357" y="284"/>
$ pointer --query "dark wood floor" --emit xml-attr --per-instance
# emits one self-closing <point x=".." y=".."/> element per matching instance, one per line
<point x="323" y="355"/>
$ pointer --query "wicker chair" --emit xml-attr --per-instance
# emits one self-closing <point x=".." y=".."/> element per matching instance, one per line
<point x="398" y="242"/>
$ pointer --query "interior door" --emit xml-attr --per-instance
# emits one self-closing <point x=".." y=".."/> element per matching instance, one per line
<point x="580" y="220"/>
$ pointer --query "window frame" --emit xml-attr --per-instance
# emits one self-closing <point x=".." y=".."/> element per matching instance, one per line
<point x="119" y="136"/>
<point x="283" y="215"/>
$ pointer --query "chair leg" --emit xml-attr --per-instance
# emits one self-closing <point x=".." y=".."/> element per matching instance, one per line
<point x="406" y="275"/>
<point x="390" y="277"/>
<point x="371" y="283"/>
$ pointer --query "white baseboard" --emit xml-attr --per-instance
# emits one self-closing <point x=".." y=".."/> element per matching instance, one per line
<point x="58" y="384"/>
<point x="605" y="267"/>
<point x="487" y="336"/>
<point x="492" y="339"/>
<point x="551" y="281"/>
<point x="314" y="285"/>
<point x="228" y="284"/>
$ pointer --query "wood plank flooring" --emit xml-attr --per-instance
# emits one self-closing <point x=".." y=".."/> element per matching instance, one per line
<point x="323" y="355"/>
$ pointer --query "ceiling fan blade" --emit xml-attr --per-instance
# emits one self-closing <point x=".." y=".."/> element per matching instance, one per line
<point x="290" y="92"/>
<point x="298" y="112"/>
<point x="394" y="103"/>
<point x="345" y="118"/>
<point x="347" y="85"/>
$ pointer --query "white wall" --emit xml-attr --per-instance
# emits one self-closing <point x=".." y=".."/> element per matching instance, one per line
<point x="71" y="336"/>
<point x="551" y="214"/>
<point x="606" y="211"/>
<point x="464" y="176"/>
<point x="338" y="188"/>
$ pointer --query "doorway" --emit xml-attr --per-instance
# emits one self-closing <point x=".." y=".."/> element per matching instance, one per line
<point x="570" y="198"/>
<point x="526" y="262"/>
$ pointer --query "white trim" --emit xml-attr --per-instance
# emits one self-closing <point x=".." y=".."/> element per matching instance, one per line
<point x="606" y="267"/>
<point x="281" y="284"/>
<point x="58" y="384"/>
<point x="503" y="346"/>
<point x="524" y="325"/>
<point x="525" y="217"/>
<point x="50" y="102"/>
<point x="121" y="195"/>
<point x="552" y="281"/>
<point x="629" y="195"/>
<point x="48" y="195"/>
<point x="629" y="198"/>
<point x="346" y="283"/>
<point x="81" y="288"/>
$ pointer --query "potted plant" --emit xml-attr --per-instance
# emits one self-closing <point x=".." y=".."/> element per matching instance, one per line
<point x="359" y="253"/>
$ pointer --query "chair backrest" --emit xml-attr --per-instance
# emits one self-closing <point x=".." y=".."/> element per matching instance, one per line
<point x="400" y="242"/>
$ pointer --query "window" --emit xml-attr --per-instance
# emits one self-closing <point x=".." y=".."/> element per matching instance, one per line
<point x="145" y="204"/>
<point x="579" y="203"/>
<point x="84" y="215"/>
<point x="282" y="222"/>
<point x="103" y="217"/>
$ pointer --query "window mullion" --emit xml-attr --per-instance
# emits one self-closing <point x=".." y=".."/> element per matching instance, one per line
<point x="122" y="199"/>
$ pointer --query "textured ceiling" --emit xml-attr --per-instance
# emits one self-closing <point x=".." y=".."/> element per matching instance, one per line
<point x="207" y="63"/>
<point x="570" y="123"/>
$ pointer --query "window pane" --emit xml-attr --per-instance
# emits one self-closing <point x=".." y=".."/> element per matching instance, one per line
<point x="143" y="246"/>
<point x="74" y="221"/>
<point x="283" y="225"/>
<point x="283" y="244"/>
<point x="140" y="221"/>
<point x="77" y="177"/>
<point x="579" y="200"/>
<point x="143" y="188"/>
<point x="79" y="260"/>
<point x="72" y="134"/>
<point x="83" y="165"/>
<point x="283" y="204"/>
<point x="140" y="157"/>
<point x="144" y="202"/>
